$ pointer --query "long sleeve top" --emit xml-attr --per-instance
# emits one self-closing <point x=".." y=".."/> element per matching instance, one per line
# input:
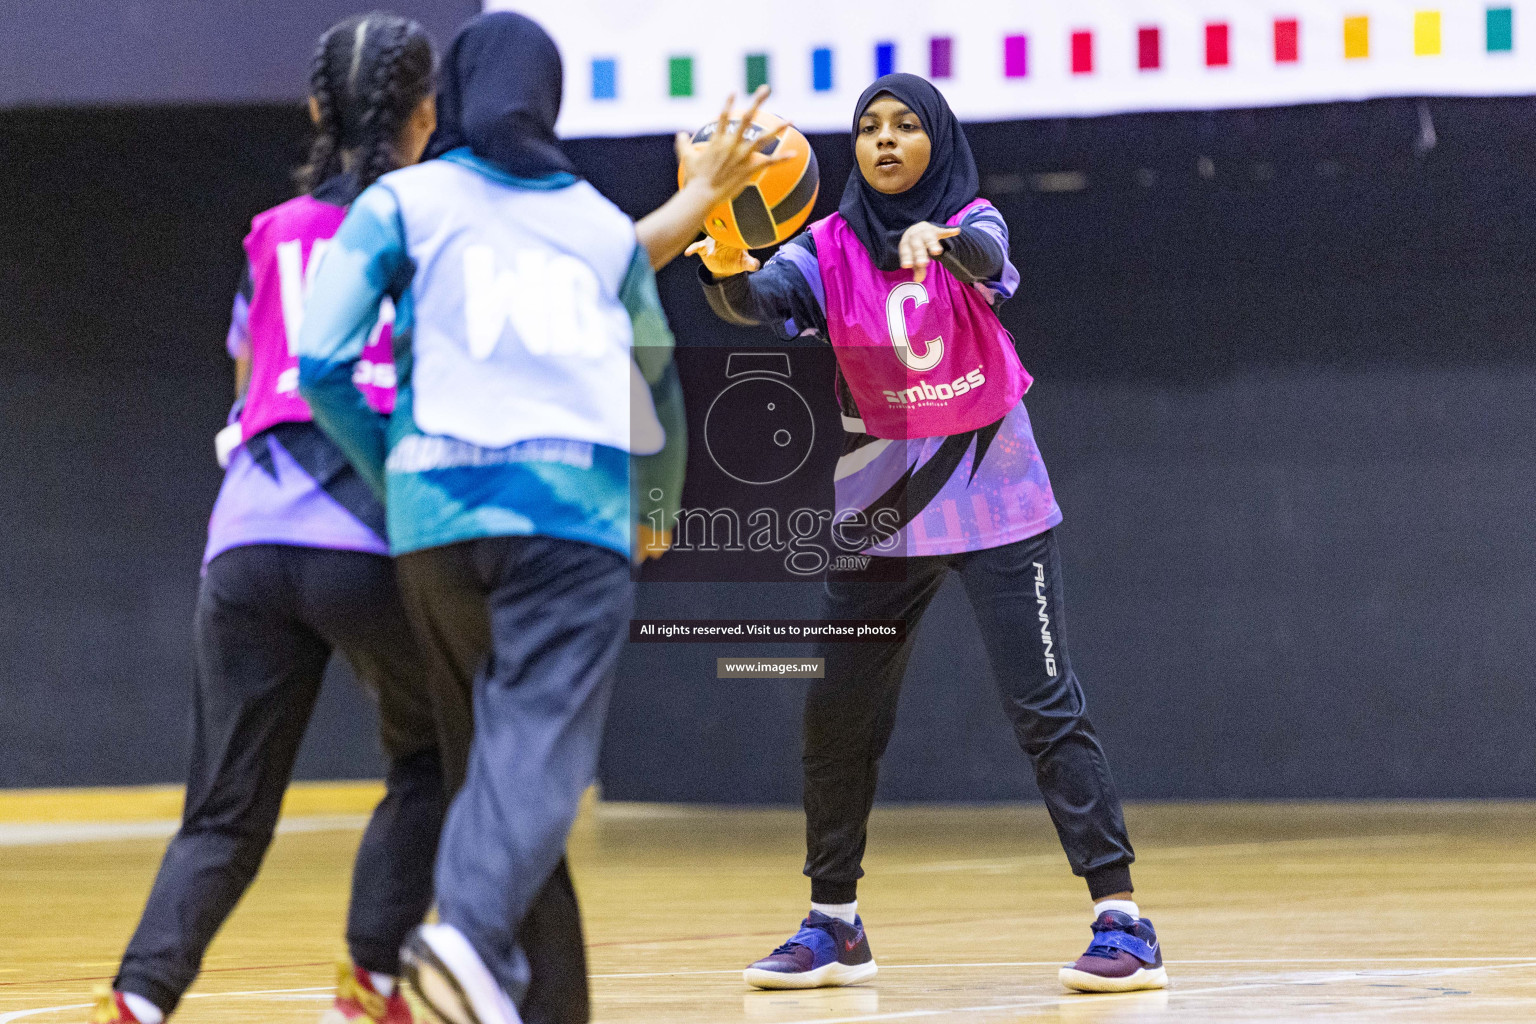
<point x="440" y="490"/>
<point x="944" y="495"/>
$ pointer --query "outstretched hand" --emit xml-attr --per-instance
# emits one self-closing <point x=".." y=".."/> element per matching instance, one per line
<point x="723" y="260"/>
<point x="729" y="159"/>
<point x="920" y="243"/>
<point x="713" y="172"/>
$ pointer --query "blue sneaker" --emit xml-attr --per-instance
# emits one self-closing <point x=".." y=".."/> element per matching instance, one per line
<point x="825" y="952"/>
<point x="1123" y="957"/>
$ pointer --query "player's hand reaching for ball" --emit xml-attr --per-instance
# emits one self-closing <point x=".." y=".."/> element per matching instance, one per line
<point x="725" y="163"/>
<point x="920" y="243"/>
<point x="714" y="172"/>
<point x="723" y="260"/>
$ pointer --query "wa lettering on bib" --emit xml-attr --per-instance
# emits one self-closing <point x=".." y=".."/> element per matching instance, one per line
<point x="921" y="359"/>
<point x="520" y="333"/>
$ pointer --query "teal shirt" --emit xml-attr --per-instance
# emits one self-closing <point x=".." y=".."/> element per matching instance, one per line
<point x="440" y="490"/>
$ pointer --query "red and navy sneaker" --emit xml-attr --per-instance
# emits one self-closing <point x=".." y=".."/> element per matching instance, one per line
<point x="1123" y="957"/>
<point x="825" y="952"/>
<point x="358" y="1002"/>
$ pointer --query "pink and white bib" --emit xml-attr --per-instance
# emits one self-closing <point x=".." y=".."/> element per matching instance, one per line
<point x="284" y="249"/>
<point x="923" y="359"/>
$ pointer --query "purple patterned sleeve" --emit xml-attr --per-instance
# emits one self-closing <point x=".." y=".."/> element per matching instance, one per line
<point x="238" y="342"/>
<point x="787" y="294"/>
<point x="805" y="262"/>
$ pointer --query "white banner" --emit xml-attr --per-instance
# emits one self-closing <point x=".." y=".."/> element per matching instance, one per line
<point x="637" y="67"/>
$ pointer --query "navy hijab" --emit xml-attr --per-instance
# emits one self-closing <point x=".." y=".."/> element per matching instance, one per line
<point x="499" y="94"/>
<point x="946" y="187"/>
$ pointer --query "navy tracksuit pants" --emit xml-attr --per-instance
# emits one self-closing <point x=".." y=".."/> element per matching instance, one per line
<point x="268" y="619"/>
<point x="1016" y="593"/>
<point x="521" y="635"/>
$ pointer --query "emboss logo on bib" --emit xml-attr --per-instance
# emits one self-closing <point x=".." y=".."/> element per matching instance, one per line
<point x="925" y="392"/>
<point x="551" y="301"/>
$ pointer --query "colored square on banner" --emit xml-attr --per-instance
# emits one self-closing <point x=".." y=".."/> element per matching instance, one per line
<point x="680" y="76"/>
<point x="757" y="71"/>
<point x="941" y="57"/>
<point x="885" y="59"/>
<point x="821" y="69"/>
<point x="1357" y="37"/>
<point x="1082" y="53"/>
<point x="1287" y="41"/>
<point x="1501" y="29"/>
<point x="1149" y="49"/>
<point x="1426" y="33"/>
<point x="605" y="78"/>
<point x="1218" y="35"/>
<point x="1015" y="56"/>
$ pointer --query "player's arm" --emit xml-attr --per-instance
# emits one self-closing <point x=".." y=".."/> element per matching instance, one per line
<point x="657" y="480"/>
<point x="238" y="342"/>
<point x="366" y="261"/>
<point x="979" y="253"/>
<point x="785" y="293"/>
<point x="713" y="173"/>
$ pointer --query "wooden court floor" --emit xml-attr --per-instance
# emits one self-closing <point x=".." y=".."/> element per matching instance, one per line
<point x="1281" y="912"/>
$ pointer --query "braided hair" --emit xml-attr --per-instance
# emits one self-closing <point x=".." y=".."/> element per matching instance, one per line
<point x="369" y="73"/>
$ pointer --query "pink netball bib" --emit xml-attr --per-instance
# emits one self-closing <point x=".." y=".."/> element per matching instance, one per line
<point x="284" y="249"/>
<point x="921" y="360"/>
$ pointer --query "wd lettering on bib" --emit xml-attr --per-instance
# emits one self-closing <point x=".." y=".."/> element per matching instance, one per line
<point x="921" y="359"/>
<point x="550" y="300"/>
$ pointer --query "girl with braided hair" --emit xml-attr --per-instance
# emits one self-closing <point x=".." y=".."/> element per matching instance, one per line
<point x="295" y="569"/>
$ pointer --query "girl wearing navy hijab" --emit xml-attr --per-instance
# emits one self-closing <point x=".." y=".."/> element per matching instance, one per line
<point x="940" y="474"/>
<point x="538" y="420"/>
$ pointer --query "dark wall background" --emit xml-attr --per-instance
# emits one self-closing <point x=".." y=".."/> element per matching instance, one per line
<point x="177" y="51"/>
<point x="1285" y="387"/>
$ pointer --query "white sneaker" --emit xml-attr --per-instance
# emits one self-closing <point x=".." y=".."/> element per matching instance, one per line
<point x="443" y="969"/>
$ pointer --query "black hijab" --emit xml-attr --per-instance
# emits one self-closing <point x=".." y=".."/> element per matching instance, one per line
<point x="945" y="188"/>
<point x="499" y="94"/>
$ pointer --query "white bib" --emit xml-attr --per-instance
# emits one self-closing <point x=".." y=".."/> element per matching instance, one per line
<point x="519" y="330"/>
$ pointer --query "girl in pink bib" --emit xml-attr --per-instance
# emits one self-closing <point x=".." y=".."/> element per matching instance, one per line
<point x="904" y="281"/>
<point x="297" y="572"/>
<point x="922" y="355"/>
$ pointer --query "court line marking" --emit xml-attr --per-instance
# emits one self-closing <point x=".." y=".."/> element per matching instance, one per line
<point x="6" y="1018"/>
<point x="61" y="833"/>
<point x="758" y="935"/>
<point x="205" y="970"/>
<point x="1307" y="980"/>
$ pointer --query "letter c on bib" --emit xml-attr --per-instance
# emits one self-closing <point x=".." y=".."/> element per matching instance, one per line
<point x="896" y="319"/>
